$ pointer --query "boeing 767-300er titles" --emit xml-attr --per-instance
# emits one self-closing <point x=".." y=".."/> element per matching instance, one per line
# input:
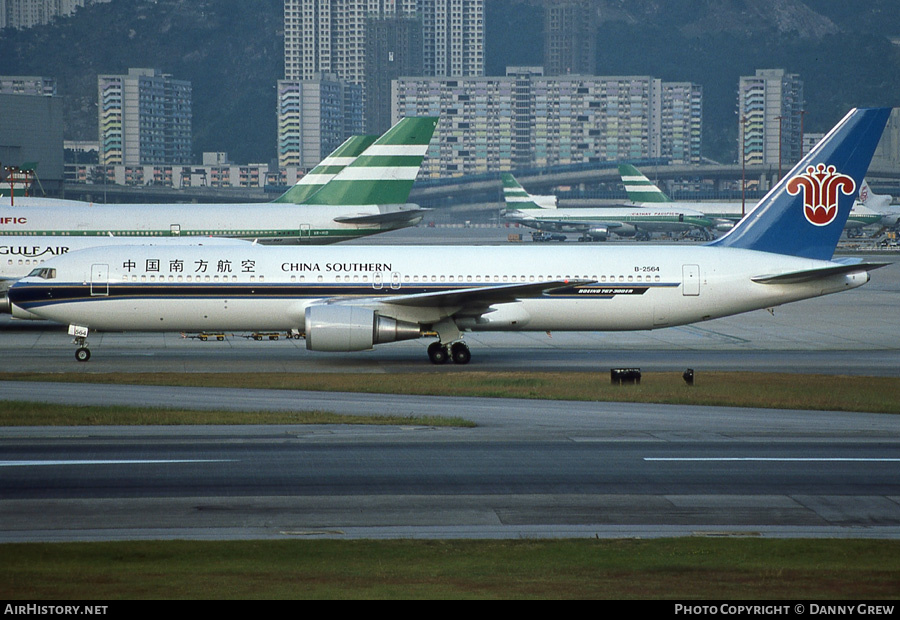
<point x="352" y="298"/>
<point x="351" y="194"/>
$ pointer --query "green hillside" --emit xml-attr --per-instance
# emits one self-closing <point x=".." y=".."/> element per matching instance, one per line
<point x="232" y="50"/>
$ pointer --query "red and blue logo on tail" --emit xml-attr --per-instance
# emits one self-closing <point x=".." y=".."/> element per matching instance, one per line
<point x="804" y="214"/>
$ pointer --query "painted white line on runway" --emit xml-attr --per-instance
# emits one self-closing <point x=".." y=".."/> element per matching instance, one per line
<point x="780" y="459"/>
<point x="117" y="462"/>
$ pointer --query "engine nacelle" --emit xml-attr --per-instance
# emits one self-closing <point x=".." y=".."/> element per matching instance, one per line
<point x="599" y="233"/>
<point x="342" y="328"/>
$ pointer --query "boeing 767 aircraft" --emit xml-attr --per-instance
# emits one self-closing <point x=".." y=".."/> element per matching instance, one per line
<point x="351" y="298"/>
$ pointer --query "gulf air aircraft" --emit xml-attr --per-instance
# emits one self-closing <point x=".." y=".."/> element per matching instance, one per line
<point x="595" y="224"/>
<point x="353" y="193"/>
<point x="643" y="192"/>
<point x="351" y="298"/>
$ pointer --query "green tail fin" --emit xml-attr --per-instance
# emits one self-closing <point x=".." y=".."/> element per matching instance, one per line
<point x="639" y="187"/>
<point x="385" y="172"/>
<point x="328" y="168"/>
<point x="515" y="195"/>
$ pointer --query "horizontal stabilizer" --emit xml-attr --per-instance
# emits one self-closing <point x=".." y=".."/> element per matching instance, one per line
<point x="808" y="275"/>
<point x="386" y="217"/>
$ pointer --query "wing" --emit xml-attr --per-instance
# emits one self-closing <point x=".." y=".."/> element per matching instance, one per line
<point x="482" y="296"/>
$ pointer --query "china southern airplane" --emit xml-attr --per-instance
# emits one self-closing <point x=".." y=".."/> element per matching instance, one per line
<point x="19" y="255"/>
<point x="595" y="224"/>
<point x="643" y="192"/>
<point x="350" y="298"/>
<point x="339" y="201"/>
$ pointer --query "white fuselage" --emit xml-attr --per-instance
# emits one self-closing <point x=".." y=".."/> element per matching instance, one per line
<point x="268" y="288"/>
<point x="283" y="223"/>
<point x="20" y="254"/>
<point x="614" y="218"/>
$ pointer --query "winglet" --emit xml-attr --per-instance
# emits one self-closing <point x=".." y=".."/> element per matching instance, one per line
<point x="638" y="187"/>
<point x="328" y="168"/>
<point x="385" y="172"/>
<point x="804" y="214"/>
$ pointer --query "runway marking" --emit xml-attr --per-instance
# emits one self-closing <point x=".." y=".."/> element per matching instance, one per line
<point x="779" y="459"/>
<point x="111" y="462"/>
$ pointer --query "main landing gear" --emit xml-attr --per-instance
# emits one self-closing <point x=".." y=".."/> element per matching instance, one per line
<point x="440" y="353"/>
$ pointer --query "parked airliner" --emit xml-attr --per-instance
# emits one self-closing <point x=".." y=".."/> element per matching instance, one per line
<point x="367" y="196"/>
<point x="643" y="192"/>
<point x="595" y="224"/>
<point x="350" y="298"/>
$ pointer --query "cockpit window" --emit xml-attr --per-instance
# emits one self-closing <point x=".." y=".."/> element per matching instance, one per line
<point x="43" y="272"/>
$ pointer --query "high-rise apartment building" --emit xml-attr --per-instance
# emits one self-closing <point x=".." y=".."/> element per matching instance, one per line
<point x="29" y="13"/>
<point x="770" y="106"/>
<point x="526" y="119"/>
<point x="393" y="49"/>
<point x="325" y="45"/>
<point x="371" y="42"/>
<point x="453" y="37"/>
<point x="314" y="117"/>
<point x="570" y="37"/>
<point x="144" y="118"/>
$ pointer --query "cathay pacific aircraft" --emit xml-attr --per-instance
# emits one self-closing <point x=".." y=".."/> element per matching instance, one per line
<point x="353" y="193"/>
<point x="351" y="298"/>
<point x="595" y="224"/>
<point x="643" y="192"/>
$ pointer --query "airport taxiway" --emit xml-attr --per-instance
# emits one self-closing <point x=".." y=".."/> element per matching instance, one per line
<point x="528" y="469"/>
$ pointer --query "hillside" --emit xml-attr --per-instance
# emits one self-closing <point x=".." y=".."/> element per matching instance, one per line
<point x="231" y="50"/>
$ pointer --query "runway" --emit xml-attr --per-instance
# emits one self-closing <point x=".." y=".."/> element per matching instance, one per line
<point x="528" y="468"/>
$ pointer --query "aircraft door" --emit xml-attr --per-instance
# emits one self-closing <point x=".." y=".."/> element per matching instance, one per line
<point x="395" y="280"/>
<point x="305" y="231"/>
<point x="377" y="282"/>
<point x="99" y="280"/>
<point x="174" y="229"/>
<point x="690" y="280"/>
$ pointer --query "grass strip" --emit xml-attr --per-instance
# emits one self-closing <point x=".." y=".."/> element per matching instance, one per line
<point x="684" y="568"/>
<point x="17" y="413"/>
<point x="731" y="389"/>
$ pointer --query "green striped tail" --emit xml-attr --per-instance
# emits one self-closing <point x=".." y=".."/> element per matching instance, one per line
<point x="385" y="172"/>
<point x="328" y="168"/>
<point x="638" y="187"/>
<point x="515" y="196"/>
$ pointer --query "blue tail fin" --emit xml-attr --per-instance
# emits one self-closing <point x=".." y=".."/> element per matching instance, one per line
<point x="804" y="214"/>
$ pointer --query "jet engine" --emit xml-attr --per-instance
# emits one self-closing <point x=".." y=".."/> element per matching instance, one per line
<point x="597" y="233"/>
<point x="343" y="328"/>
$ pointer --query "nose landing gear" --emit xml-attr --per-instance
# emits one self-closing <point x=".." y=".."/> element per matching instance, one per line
<point x="82" y="353"/>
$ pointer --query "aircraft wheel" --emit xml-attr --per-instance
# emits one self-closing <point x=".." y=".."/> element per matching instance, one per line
<point x="82" y="354"/>
<point x="460" y="353"/>
<point x="438" y="353"/>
